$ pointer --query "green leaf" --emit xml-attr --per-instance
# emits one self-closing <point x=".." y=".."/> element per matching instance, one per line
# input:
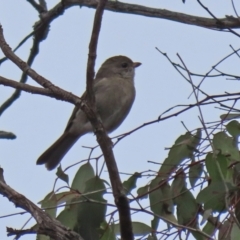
<point x="233" y="128"/>
<point x="62" y="175"/>
<point x="235" y="232"/>
<point x="217" y="167"/>
<point x="107" y="232"/>
<point x="195" y="172"/>
<point x="178" y="184"/>
<point x="225" y="144"/>
<point x="155" y="197"/>
<point x="82" y="215"/>
<point x="142" y="192"/>
<point x="139" y="229"/>
<point x="187" y="207"/>
<point x="68" y="217"/>
<point x="161" y="202"/>
<point x="155" y="223"/>
<point x="183" y="148"/>
<point x="91" y="215"/>
<point x="206" y="215"/>
<point x="209" y="228"/>
<point x="65" y="196"/>
<point x="84" y="173"/>
<point x="130" y="184"/>
<point x="213" y="196"/>
<point x="152" y="237"/>
<point x="50" y="202"/>
<point x="230" y="116"/>
<point x="167" y="201"/>
<point x="197" y="235"/>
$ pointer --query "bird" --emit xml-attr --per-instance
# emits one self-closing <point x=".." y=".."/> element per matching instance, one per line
<point x="114" y="92"/>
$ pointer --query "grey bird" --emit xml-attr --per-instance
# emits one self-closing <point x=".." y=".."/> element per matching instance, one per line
<point x="114" y="94"/>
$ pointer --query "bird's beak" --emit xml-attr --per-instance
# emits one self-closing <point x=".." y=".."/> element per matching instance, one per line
<point x="136" y="64"/>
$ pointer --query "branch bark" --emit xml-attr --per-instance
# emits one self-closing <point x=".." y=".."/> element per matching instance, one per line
<point x="120" y="7"/>
<point x="52" y="90"/>
<point x="104" y="141"/>
<point x="26" y="87"/>
<point x="46" y="225"/>
<point x="39" y="34"/>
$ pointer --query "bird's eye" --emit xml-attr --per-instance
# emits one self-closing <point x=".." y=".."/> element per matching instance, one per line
<point x="124" y="65"/>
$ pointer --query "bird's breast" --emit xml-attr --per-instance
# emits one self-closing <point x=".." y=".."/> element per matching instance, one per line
<point x="116" y="102"/>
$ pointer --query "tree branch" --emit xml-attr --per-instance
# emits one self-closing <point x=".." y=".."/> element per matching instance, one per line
<point x="104" y="141"/>
<point x="26" y="87"/>
<point x="46" y="225"/>
<point x="39" y="34"/>
<point x="120" y="7"/>
<point x="53" y="90"/>
<point x="7" y="135"/>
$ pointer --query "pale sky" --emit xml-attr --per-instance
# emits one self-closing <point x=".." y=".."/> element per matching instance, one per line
<point x="38" y="120"/>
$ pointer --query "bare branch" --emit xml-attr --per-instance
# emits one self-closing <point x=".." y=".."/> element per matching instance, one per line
<point x="39" y="7"/>
<point x="40" y="33"/>
<point x="7" y="135"/>
<point x="46" y="225"/>
<point x="102" y="137"/>
<point x="218" y="21"/>
<point x="57" y="92"/>
<point x="120" y="7"/>
<point x="26" y="87"/>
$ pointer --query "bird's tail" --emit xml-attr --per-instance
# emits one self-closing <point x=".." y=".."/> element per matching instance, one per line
<point x="54" y="154"/>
